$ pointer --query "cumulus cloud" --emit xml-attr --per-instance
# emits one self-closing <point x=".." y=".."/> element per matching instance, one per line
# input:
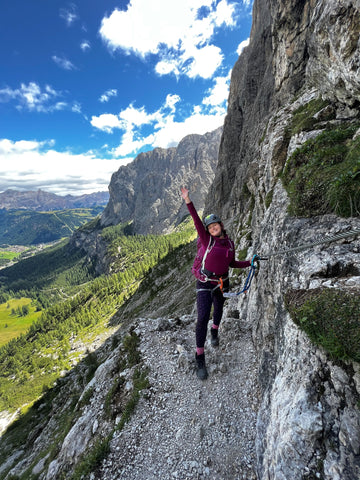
<point x="198" y="122"/>
<point x="30" y="165"/>
<point x="205" y="61"/>
<point x="32" y="97"/>
<point x="63" y="63"/>
<point x="166" y="130"/>
<point x="242" y="45"/>
<point x="76" y="108"/>
<point x="179" y="33"/>
<point x="106" y="122"/>
<point x="105" y="97"/>
<point x="218" y="94"/>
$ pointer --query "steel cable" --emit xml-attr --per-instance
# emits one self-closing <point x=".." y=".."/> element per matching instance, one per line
<point x="305" y="246"/>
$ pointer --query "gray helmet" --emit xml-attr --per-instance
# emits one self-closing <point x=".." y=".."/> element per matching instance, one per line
<point x="212" y="218"/>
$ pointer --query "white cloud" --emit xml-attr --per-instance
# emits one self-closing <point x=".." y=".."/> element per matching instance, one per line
<point x="224" y="14"/>
<point x="205" y="62"/>
<point x="105" y="97"/>
<point x="166" y="130"/>
<point x="171" y="101"/>
<point x="173" y="30"/>
<point x="34" y="98"/>
<point x="9" y="147"/>
<point x="167" y="66"/>
<point x="69" y="14"/>
<point x="136" y="116"/>
<point x="76" y="107"/>
<point x="129" y="118"/>
<point x="197" y="123"/>
<point x="63" y="63"/>
<point x="30" y="165"/>
<point x="106" y="122"/>
<point x="242" y="45"/>
<point x="129" y="144"/>
<point x="218" y="94"/>
<point x="85" y="45"/>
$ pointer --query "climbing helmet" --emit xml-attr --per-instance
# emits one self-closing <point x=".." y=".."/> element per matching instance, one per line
<point x="212" y="218"/>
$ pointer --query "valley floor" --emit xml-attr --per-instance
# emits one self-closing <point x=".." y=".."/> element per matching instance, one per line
<point x="185" y="428"/>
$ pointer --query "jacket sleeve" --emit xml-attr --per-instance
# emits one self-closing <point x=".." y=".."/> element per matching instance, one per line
<point x="240" y="264"/>
<point x="201" y="230"/>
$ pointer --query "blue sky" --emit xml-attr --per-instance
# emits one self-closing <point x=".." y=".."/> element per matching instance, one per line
<point x="87" y="85"/>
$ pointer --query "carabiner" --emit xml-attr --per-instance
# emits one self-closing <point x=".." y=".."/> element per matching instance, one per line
<point x="221" y="284"/>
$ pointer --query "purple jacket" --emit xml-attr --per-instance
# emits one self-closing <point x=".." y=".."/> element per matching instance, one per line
<point x="221" y="255"/>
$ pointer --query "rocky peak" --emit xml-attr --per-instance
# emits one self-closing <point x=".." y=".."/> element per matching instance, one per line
<point x="147" y="190"/>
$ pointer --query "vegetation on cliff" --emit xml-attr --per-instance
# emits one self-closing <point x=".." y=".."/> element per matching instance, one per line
<point x="330" y="318"/>
<point x="323" y="175"/>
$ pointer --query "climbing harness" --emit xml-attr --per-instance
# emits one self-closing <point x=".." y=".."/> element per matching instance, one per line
<point x="305" y="246"/>
<point x="211" y="277"/>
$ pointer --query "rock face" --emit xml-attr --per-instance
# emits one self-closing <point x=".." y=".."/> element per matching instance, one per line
<point x="309" y="414"/>
<point x="299" y="50"/>
<point x="148" y="190"/>
<point x="296" y="48"/>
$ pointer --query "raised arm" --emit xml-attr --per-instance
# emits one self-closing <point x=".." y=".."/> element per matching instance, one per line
<point x="203" y="234"/>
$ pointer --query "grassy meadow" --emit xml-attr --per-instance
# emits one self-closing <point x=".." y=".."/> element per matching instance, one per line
<point x="11" y="325"/>
<point x="6" y="256"/>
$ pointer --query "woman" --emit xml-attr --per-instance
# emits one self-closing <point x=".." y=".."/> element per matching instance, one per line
<point x="216" y="253"/>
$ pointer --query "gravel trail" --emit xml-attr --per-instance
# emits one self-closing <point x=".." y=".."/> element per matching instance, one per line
<point x="185" y="428"/>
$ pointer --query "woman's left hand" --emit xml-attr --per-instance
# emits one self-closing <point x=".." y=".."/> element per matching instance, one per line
<point x="185" y="194"/>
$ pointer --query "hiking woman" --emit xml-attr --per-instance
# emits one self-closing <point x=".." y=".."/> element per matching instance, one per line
<point x="216" y="253"/>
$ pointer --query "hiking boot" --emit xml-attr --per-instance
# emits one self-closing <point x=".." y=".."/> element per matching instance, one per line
<point x="201" y="371"/>
<point x="214" y="337"/>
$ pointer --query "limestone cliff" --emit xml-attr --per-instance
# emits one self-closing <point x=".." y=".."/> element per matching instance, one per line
<point x="309" y="420"/>
<point x="147" y="191"/>
<point x="297" y="48"/>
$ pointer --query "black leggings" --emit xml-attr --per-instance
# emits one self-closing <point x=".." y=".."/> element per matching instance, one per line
<point x="207" y="295"/>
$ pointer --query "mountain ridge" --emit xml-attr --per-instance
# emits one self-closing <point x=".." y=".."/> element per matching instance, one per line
<point x="31" y="227"/>
<point x="42" y="200"/>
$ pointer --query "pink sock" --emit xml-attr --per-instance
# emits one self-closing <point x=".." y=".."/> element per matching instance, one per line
<point x="215" y="327"/>
<point x="199" y="350"/>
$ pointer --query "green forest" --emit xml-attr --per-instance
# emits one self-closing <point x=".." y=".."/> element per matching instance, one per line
<point x="74" y="303"/>
<point x="28" y="227"/>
